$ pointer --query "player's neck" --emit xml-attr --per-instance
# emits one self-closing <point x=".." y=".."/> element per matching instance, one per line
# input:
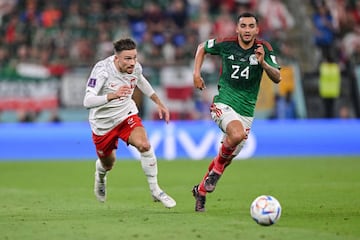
<point x="246" y="45"/>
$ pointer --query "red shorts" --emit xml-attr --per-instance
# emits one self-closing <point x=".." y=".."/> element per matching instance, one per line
<point x="105" y="144"/>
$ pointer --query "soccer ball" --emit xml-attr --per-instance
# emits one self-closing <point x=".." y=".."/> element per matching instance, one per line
<point x="265" y="210"/>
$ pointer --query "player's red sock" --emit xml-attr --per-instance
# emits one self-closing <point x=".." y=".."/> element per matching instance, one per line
<point x="223" y="158"/>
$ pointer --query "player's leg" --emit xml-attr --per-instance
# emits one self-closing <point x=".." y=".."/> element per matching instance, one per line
<point x="230" y="123"/>
<point x="102" y="166"/>
<point x="234" y="139"/>
<point x="105" y="148"/>
<point x="236" y="152"/>
<point x="138" y="139"/>
<point x="199" y="191"/>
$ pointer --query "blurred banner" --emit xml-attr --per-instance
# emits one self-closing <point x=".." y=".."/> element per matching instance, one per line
<point x="194" y="140"/>
<point x="26" y="93"/>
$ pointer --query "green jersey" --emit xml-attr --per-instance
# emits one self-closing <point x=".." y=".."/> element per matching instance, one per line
<point x="240" y="73"/>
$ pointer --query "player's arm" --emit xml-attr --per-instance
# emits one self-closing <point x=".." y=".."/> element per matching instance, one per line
<point x="162" y="109"/>
<point x="94" y="84"/>
<point x="198" y="61"/>
<point x="145" y="87"/>
<point x="272" y="72"/>
<point x="91" y="98"/>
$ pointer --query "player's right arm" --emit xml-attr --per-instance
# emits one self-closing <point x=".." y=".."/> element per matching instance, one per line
<point x="199" y="59"/>
<point x="95" y="83"/>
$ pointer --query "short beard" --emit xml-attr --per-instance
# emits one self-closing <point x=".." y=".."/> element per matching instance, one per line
<point x="245" y="41"/>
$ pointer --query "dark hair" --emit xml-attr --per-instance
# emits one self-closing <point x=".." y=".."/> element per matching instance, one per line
<point x="124" y="44"/>
<point x="248" y="14"/>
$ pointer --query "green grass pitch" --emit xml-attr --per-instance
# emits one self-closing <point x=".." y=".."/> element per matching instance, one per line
<point x="320" y="198"/>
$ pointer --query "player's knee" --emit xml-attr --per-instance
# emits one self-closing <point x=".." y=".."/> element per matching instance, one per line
<point x="108" y="166"/>
<point x="143" y="146"/>
<point x="108" y="163"/>
<point x="238" y="138"/>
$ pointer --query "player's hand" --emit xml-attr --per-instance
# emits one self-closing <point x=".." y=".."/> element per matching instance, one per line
<point x="199" y="82"/>
<point x="260" y="53"/>
<point x="164" y="113"/>
<point x="123" y="91"/>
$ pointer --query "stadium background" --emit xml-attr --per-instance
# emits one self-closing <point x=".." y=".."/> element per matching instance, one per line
<point x="48" y="49"/>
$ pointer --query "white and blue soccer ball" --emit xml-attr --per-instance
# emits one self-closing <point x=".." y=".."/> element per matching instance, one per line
<point x="265" y="210"/>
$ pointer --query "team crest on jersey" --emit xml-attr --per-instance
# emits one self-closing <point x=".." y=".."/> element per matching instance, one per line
<point x="253" y="60"/>
<point x="131" y="80"/>
<point x="92" y="82"/>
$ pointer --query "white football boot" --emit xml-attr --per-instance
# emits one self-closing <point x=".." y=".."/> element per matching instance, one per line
<point x="165" y="199"/>
<point x="100" y="188"/>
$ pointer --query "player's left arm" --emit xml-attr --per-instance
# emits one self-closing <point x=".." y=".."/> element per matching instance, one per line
<point x="145" y="87"/>
<point x="162" y="109"/>
<point x="268" y="62"/>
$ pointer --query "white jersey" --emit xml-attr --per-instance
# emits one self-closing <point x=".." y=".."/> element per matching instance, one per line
<point x="106" y="78"/>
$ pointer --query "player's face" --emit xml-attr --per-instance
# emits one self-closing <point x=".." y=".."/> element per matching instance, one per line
<point x="125" y="61"/>
<point x="247" y="29"/>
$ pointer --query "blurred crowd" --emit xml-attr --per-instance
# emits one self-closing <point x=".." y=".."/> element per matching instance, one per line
<point x="64" y="35"/>
<point x="67" y="34"/>
<point x="336" y="26"/>
<point x="336" y="29"/>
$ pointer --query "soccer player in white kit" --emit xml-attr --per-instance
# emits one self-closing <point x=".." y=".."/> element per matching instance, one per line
<point x="113" y="114"/>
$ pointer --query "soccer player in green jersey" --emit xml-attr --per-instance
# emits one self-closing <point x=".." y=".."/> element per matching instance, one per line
<point x="244" y="58"/>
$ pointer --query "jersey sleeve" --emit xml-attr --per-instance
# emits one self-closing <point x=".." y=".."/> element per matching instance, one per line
<point x="143" y="84"/>
<point x="270" y="56"/>
<point x="212" y="47"/>
<point x="97" y="79"/>
<point x="95" y="82"/>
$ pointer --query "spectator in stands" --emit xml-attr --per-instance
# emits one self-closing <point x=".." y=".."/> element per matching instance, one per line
<point x="202" y="105"/>
<point x="355" y="13"/>
<point x="284" y="107"/>
<point x="121" y="28"/>
<point x="96" y="14"/>
<point x="5" y="67"/>
<point x="329" y="85"/>
<point x="324" y="31"/>
<point x="279" y="19"/>
<point x="74" y="18"/>
<point x="224" y="23"/>
<point x="51" y="15"/>
<point x="351" y="42"/>
<point x="6" y="6"/>
<point x="204" y="26"/>
<point x="105" y="45"/>
<point x="177" y="14"/>
<point x="344" y="112"/>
